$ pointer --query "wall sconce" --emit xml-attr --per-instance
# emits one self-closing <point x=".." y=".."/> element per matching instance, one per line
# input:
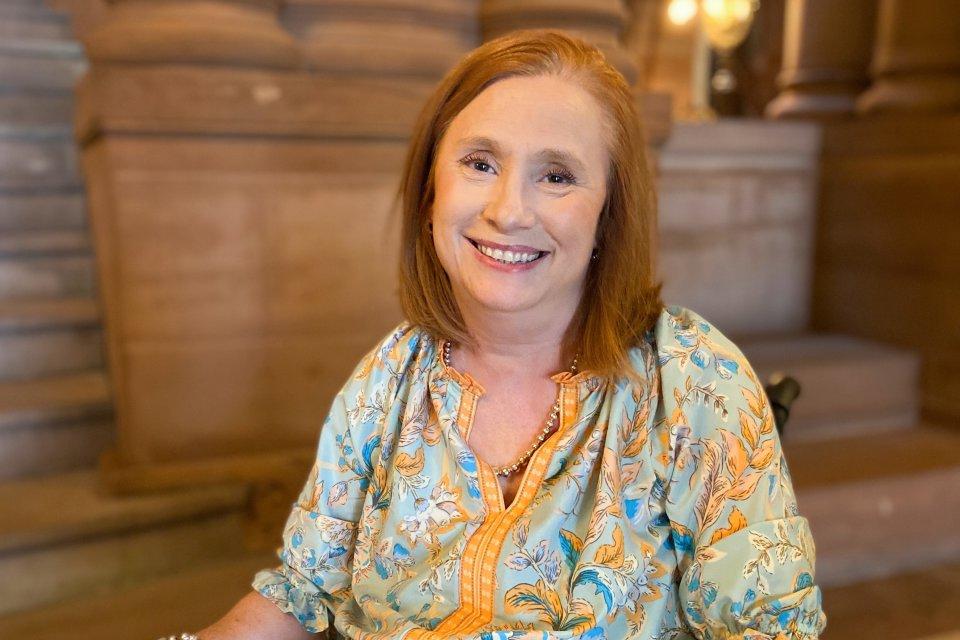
<point x="725" y="23"/>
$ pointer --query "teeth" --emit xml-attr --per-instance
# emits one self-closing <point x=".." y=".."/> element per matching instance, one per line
<point x="508" y="257"/>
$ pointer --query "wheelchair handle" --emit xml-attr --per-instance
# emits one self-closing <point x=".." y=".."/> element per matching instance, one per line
<point x="782" y="390"/>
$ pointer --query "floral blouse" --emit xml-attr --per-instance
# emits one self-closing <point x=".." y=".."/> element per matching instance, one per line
<point x="659" y="509"/>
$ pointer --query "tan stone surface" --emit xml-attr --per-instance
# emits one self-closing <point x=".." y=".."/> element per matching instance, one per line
<point x="43" y="512"/>
<point x="104" y="564"/>
<point x="46" y="277"/>
<point x="880" y="505"/>
<point x="241" y="289"/>
<point x="190" y="600"/>
<point x="915" y="606"/>
<point x="827" y="50"/>
<point x="887" y="264"/>
<point x="916" y="60"/>
<point x="240" y="32"/>
<point x="63" y="536"/>
<point x="181" y="99"/>
<point x="848" y="385"/>
<point x="736" y="221"/>
<point x="30" y="211"/>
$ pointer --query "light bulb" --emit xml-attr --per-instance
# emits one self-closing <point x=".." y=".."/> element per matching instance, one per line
<point x="681" y="12"/>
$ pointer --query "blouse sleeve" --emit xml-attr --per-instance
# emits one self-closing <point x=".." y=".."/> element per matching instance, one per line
<point x="745" y="552"/>
<point x="318" y="539"/>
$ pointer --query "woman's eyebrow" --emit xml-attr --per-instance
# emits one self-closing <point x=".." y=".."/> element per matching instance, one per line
<point x="481" y="142"/>
<point x="560" y="156"/>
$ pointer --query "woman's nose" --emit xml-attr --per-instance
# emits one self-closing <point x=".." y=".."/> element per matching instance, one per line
<point x="508" y="209"/>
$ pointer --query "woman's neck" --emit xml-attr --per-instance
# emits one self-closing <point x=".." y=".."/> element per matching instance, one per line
<point x="513" y="345"/>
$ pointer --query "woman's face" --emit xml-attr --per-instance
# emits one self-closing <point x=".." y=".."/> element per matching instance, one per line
<point x="521" y="179"/>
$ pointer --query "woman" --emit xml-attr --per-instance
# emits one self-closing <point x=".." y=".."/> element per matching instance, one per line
<point x="542" y="449"/>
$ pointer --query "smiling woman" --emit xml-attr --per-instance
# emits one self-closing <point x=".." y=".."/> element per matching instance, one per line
<point x="541" y="449"/>
<point x="513" y="226"/>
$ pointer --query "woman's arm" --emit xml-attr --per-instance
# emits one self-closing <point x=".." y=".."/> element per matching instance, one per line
<point x="256" y="618"/>
<point x="745" y="552"/>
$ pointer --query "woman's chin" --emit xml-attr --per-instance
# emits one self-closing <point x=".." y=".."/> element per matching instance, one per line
<point x="505" y="301"/>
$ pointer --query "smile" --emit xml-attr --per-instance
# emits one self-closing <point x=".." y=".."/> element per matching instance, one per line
<point x="506" y="256"/>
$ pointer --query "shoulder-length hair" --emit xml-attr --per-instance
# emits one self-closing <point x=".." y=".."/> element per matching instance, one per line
<point x="620" y="301"/>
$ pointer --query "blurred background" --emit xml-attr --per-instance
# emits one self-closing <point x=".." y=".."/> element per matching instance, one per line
<point x="198" y="241"/>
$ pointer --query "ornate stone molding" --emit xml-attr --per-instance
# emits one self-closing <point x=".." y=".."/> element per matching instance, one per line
<point x="827" y="48"/>
<point x="230" y="32"/>
<point x="916" y="61"/>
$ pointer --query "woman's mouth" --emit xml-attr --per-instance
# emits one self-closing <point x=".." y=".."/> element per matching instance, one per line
<point x="514" y="257"/>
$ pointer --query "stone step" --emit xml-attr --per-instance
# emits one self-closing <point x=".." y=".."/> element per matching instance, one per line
<point x="42" y="337"/>
<point x="31" y="110"/>
<point x="38" y="159"/>
<point x="880" y="504"/>
<point x="919" y="605"/>
<point x="849" y="385"/>
<point x="58" y="72"/>
<point x="54" y="424"/>
<point x="40" y="243"/>
<point x="72" y="539"/>
<point x="38" y="38"/>
<point x="47" y="277"/>
<point x="41" y="211"/>
<point x="27" y="9"/>
<point x="162" y="607"/>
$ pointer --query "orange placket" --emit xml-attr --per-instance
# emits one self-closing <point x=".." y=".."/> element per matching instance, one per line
<point x="484" y="547"/>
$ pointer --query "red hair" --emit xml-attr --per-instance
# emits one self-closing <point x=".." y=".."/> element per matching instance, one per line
<point x="620" y="301"/>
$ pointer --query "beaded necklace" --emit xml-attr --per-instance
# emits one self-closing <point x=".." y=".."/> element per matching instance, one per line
<point x="506" y="470"/>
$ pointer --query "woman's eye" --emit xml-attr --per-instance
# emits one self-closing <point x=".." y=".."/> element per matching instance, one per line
<point x="476" y="163"/>
<point x="560" y="177"/>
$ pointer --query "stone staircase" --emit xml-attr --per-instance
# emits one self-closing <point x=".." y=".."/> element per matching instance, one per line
<point x="61" y="535"/>
<point x="54" y="400"/>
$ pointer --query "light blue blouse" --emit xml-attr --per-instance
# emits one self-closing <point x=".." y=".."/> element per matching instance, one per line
<point x="660" y="509"/>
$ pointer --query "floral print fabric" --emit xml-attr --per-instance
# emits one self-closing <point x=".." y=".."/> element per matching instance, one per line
<point x="661" y="508"/>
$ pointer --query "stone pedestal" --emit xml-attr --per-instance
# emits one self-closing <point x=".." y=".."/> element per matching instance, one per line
<point x="241" y="160"/>
<point x="916" y="61"/>
<point x="736" y="222"/>
<point x="827" y="50"/>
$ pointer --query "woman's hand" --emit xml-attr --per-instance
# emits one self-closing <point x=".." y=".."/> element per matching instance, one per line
<point x="256" y="618"/>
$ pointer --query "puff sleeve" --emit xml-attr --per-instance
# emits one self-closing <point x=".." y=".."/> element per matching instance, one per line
<point x="316" y="559"/>
<point x="745" y="553"/>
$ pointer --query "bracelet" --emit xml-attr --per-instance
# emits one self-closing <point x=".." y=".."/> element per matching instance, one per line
<point x="182" y="636"/>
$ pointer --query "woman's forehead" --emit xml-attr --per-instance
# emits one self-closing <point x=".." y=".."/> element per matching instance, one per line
<point x="545" y="116"/>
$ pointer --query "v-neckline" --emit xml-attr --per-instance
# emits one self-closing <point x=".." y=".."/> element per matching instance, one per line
<point x="471" y="391"/>
<point x="535" y="469"/>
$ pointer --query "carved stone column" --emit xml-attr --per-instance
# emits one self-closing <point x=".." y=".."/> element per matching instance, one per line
<point x="916" y="61"/>
<point x="827" y="48"/>
<point x="235" y="32"/>
<point x="240" y="158"/>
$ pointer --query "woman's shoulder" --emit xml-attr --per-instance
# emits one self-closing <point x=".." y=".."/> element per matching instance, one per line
<point x="687" y="343"/>
<point x="402" y="347"/>
<point x="690" y="354"/>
